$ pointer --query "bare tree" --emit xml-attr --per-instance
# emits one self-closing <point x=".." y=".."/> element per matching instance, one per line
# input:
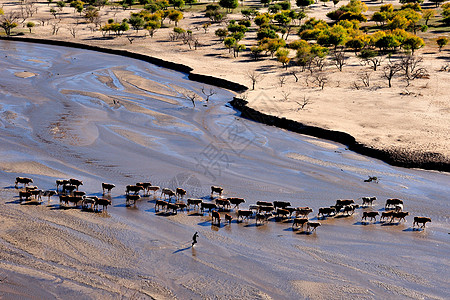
<point x="339" y="59"/>
<point x="390" y="71"/>
<point x="285" y="95"/>
<point x="56" y="27"/>
<point x="208" y="94"/>
<point x="321" y="79"/>
<point x="254" y="77"/>
<point x="190" y="95"/>
<point x="412" y="69"/>
<point x="301" y="105"/>
<point x="130" y="38"/>
<point x="73" y="29"/>
<point x="365" y="78"/>
<point x="282" y="80"/>
<point x="294" y="73"/>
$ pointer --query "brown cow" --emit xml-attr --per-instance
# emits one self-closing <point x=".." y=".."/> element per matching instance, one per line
<point x="392" y="202"/>
<point x="326" y="211"/>
<point x="75" y="182"/>
<point x="37" y="194"/>
<point x="303" y="211"/>
<point x="312" y="225"/>
<point x="207" y="205"/>
<point x="24" y="180"/>
<point x="49" y="194"/>
<point x="152" y="188"/>
<point x="144" y="186"/>
<point x="299" y="222"/>
<point x="173" y="207"/>
<point x="368" y="200"/>
<point x="228" y="218"/>
<point x="264" y="203"/>
<point x="135" y="189"/>
<point x="160" y="203"/>
<point x="103" y="202"/>
<point x="194" y="202"/>
<point x="61" y="182"/>
<point x="89" y="201"/>
<point x="345" y="202"/>
<point x="68" y="188"/>
<point x="370" y="214"/>
<point x="283" y="212"/>
<point x="350" y="209"/>
<point x="30" y="188"/>
<point x="24" y="196"/>
<point x="400" y="215"/>
<point x="224" y="203"/>
<point x="386" y="214"/>
<point x="216" y="189"/>
<point x="281" y="204"/>
<point x="261" y="218"/>
<point x="130" y="198"/>
<point x="236" y="201"/>
<point x="421" y="220"/>
<point x="244" y="214"/>
<point x="108" y="187"/>
<point x="180" y="193"/>
<point x="215" y="217"/>
<point x="265" y="208"/>
<point x="167" y="192"/>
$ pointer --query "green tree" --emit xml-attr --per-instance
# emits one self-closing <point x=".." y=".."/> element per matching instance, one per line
<point x="304" y="3"/>
<point x="175" y="16"/>
<point x="136" y="21"/>
<point x="190" y="2"/>
<point x="30" y="25"/>
<point x="91" y="13"/>
<point x="282" y="56"/>
<point x="356" y="44"/>
<point x="61" y="5"/>
<point x="442" y="42"/>
<point x="221" y="33"/>
<point x="8" y="21"/>
<point x="151" y="26"/>
<point x="229" y="4"/>
<point x="413" y="43"/>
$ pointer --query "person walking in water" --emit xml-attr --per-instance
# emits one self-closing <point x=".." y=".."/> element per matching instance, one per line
<point x="194" y="239"/>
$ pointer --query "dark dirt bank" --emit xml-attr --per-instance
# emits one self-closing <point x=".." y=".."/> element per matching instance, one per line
<point x="396" y="157"/>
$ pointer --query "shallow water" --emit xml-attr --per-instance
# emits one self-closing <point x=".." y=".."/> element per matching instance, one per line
<point x="104" y="118"/>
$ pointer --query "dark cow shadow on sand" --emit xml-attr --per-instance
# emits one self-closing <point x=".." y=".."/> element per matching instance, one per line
<point x="365" y="223"/>
<point x="204" y="223"/>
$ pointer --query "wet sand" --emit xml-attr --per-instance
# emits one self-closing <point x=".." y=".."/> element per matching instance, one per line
<point x="102" y="118"/>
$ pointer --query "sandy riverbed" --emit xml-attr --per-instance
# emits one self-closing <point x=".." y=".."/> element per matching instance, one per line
<point x="57" y="125"/>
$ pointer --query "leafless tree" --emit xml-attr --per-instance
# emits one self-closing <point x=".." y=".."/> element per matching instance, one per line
<point x="282" y="80"/>
<point x="365" y="78"/>
<point x="285" y="95"/>
<point x="339" y="59"/>
<point x="390" y="70"/>
<point x="73" y="29"/>
<point x="294" y="73"/>
<point x="319" y="63"/>
<point x="190" y="95"/>
<point x="56" y="27"/>
<point x="208" y="94"/>
<point x="373" y="62"/>
<point x="301" y="105"/>
<point x="254" y="77"/>
<point x="321" y="79"/>
<point x="130" y="38"/>
<point x="412" y="69"/>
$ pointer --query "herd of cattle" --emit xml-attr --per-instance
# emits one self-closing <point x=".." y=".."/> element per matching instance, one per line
<point x="68" y="192"/>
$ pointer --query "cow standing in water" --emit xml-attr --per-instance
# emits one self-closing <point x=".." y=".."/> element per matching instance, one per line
<point x="216" y="189"/>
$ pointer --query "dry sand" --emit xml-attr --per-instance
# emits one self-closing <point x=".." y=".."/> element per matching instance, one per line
<point x="132" y="252"/>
